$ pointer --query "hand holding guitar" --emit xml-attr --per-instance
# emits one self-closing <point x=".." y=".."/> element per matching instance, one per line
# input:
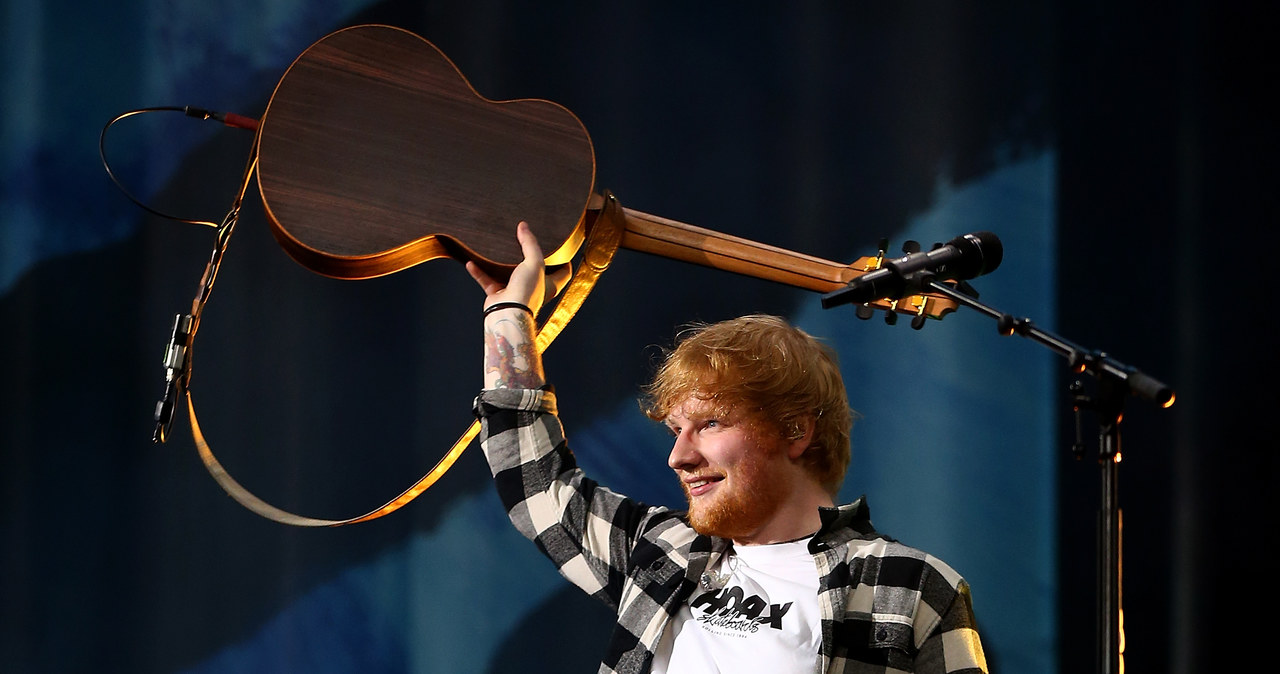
<point x="528" y="284"/>
<point x="511" y="358"/>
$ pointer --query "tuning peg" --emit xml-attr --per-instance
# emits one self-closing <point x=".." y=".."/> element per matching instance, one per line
<point x="910" y="247"/>
<point x="917" y="321"/>
<point x="865" y="311"/>
<point x="880" y="255"/>
<point x="936" y="245"/>
<point x="891" y="317"/>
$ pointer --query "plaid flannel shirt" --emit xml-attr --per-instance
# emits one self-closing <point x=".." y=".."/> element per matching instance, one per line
<point x="885" y="607"/>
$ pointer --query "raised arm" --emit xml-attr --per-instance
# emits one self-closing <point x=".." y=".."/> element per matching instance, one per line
<point x="547" y="497"/>
<point x="510" y="310"/>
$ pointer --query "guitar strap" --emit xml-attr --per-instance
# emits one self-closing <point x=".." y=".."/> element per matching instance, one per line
<point x="602" y="242"/>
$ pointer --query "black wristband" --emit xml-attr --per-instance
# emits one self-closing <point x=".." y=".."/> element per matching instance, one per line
<point x="506" y="305"/>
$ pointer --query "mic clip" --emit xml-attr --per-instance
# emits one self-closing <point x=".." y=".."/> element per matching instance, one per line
<point x="177" y="360"/>
<point x="891" y="285"/>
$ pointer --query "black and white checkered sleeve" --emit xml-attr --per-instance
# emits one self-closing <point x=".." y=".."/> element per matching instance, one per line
<point x="946" y="635"/>
<point x="585" y="529"/>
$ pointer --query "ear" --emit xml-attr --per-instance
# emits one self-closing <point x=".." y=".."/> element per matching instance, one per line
<point x="797" y="446"/>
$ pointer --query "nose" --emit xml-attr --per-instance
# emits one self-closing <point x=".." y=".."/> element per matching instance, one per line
<point x="684" y="452"/>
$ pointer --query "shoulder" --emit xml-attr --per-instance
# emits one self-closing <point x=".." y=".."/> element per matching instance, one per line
<point x="908" y="587"/>
<point x="905" y="581"/>
<point x="877" y="559"/>
<point x="889" y="562"/>
<point x="669" y="531"/>
<point x="666" y="535"/>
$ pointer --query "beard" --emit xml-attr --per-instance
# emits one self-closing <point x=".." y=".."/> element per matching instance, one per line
<point x="743" y="503"/>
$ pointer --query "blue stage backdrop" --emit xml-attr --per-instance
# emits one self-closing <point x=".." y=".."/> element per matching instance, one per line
<point x="816" y="127"/>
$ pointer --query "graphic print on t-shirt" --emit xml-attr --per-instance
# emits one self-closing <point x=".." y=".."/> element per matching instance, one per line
<point x="757" y="612"/>
<point x="730" y="611"/>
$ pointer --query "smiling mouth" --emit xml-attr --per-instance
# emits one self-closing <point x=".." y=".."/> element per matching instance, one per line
<point x="701" y="486"/>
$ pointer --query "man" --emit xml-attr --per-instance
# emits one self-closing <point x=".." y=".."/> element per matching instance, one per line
<point x="763" y="572"/>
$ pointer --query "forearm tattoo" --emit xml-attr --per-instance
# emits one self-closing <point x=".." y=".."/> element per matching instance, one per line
<point x="510" y="357"/>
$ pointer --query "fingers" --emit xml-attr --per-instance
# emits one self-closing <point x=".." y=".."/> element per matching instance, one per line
<point x="527" y="281"/>
<point x="528" y="243"/>
<point x="558" y="279"/>
<point x="528" y="278"/>
<point x="486" y="281"/>
<point x="530" y="282"/>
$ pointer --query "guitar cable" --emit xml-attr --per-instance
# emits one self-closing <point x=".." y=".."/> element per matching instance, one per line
<point x="228" y="119"/>
<point x="177" y="354"/>
<point x="601" y="243"/>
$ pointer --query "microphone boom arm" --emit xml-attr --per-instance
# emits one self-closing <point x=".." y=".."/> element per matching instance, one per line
<point x="972" y="255"/>
<point x="1116" y="381"/>
<point x="1081" y="360"/>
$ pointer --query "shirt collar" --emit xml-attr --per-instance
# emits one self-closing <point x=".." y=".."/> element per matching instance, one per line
<point x="852" y="517"/>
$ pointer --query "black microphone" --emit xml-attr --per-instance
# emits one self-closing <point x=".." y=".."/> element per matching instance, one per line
<point x="963" y="257"/>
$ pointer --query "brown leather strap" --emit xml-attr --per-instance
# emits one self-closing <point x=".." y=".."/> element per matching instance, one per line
<point x="602" y="242"/>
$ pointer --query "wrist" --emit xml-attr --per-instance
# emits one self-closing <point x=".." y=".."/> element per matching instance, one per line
<point x="511" y="356"/>
<point x="501" y="306"/>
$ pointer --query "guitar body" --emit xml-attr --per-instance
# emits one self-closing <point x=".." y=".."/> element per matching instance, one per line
<point x="376" y="154"/>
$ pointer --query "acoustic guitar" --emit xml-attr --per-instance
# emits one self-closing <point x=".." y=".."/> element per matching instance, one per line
<point x="376" y="154"/>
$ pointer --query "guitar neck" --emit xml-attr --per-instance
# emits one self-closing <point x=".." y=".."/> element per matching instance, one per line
<point x="660" y="236"/>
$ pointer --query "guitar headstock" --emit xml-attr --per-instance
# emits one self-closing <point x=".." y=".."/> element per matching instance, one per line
<point x="918" y="307"/>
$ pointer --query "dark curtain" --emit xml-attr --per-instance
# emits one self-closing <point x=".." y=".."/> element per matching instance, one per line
<point x="1166" y="207"/>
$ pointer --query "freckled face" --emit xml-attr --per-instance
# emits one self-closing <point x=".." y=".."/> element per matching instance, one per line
<point x="726" y="470"/>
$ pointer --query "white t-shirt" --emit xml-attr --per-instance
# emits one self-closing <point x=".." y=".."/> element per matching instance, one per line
<point x="763" y="619"/>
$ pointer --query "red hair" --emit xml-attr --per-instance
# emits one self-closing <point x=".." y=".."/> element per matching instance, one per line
<point x="778" y="377"/>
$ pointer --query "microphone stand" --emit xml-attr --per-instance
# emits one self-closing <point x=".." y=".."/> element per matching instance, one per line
<point x="1115" y="381"/>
